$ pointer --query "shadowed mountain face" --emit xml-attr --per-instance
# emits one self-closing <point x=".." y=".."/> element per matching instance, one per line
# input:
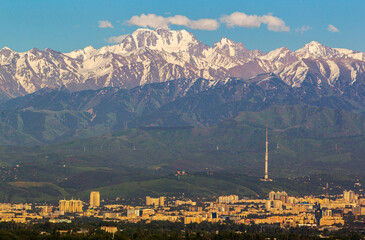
<point x="222" y="158"/>
<point x="127" y="116"/>
<point x="139" y="95"/>
<point x="128" y="142"/>
<point x="49" y="116"/>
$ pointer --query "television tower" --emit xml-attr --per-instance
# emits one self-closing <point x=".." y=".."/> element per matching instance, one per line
<point x="266" y="178"/>
<point x="267" y="157"/>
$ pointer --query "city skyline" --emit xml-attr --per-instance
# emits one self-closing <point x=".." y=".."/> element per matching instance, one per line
<point x="150" y="110"/>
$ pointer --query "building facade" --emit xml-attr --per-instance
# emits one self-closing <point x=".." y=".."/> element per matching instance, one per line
<point x="94" y="199"/>
<point x="70" y="206"/>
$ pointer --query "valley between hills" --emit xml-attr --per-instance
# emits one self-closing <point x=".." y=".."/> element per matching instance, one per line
<point x="123" y="119"/>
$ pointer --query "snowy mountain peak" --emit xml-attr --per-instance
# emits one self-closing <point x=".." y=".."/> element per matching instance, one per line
<point x="225" y="41"/>
<point x="6" y="49"/>
<point x="89" y="48"/>
<point x="162" y="40"/>
<point x="314" y="43"/>
<point x="284" y="49"/>
<point x="316" y="50"/>
<point x="228" y="42"/>
<point x="6" y="55"/>
<point x="34" y="52"/>
<point x="49" y="50"/>
<point x="280" y="56"/>
<point x="85" y="53"/>
<point x="148" y="56"/>
<point x="229" y="48"/>
<point x="277" y="53"/>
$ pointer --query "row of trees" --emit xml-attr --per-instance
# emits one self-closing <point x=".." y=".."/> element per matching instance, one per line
<point x="164" y="230"/>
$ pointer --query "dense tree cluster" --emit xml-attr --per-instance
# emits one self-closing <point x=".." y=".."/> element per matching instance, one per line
<point x="165" y="230"/>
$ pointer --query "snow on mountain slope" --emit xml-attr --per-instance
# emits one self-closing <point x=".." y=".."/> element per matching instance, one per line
<point x="351" y="54"/>
<point x="82" y="54"/>
<point x="316" y="50"/>
<point x="35" y="69"/>
<point x="148" y="56"/>
<point x="174" y="42"/>
<point x="324" y="73"/>
<point x="280" y="57"/>
<point x="228" y="54"/>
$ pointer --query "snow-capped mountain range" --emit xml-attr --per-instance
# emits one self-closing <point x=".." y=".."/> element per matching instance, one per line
<point x="148" y="56"/>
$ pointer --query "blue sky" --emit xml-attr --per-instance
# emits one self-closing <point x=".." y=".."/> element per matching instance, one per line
<point x="66" y="25"/>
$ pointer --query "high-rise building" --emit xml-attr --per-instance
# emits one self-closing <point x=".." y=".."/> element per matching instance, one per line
<point x="268" y="205"/>
<point x="282" y="196"/>
<point x="272" y="195"/>
<point x="349" y="196"/>
<point x="94" y="199"/>
<point x="131" y="213"/>
<point x="228" y="199"/>
<point x="292" y="200"/>
<point x="277" y="195"/>
<point x="277" y="204"/>
<point x="162" y="201"/>
<point x="155" y="201"/>
<point x="70" y="206"/>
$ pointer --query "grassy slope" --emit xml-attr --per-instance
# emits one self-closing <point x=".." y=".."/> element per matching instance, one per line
<point x="205" y="185"/>
<point x="30" y="192"/>
<point x="310" y="140"/>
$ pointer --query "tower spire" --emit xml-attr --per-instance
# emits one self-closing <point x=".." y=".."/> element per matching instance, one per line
<point x="267" y="157"/>
<point x="266" y="177"/>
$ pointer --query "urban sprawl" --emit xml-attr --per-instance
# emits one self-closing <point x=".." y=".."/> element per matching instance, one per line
<point x="278" y="208"/>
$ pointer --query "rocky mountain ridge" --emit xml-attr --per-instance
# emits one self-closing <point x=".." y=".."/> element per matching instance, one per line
<point x="149" y="56"/>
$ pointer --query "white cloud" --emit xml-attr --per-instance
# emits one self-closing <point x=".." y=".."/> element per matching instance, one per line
<point x="154" y="21"/>
<point x="303" y="29"/>
<point x="240" y="19"/>
<point x="150" y="20"/>
<point x="274" y="23"/>
<point x="117" y="39"/>
<point x="204" y="24"/>
<point x="105" y="24"/>
<point x="332" y="28"/>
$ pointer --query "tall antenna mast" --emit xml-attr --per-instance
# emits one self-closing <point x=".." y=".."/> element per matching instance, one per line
<point x="266" y="178"/>
<point x="267" y="158"/>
